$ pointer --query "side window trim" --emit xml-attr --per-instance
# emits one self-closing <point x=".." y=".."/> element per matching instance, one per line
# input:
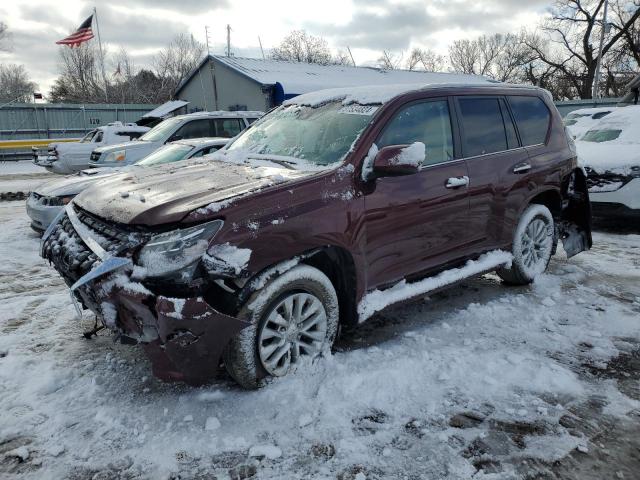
<point x="452" y="122"/>
<point x="506" y="110"/>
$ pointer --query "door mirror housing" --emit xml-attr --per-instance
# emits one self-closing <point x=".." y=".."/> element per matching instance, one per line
<point x="174" y="138"/>
<point x="399" y="159"/>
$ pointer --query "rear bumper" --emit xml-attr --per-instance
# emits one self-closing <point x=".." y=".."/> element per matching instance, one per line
<point x="604" y="210"/>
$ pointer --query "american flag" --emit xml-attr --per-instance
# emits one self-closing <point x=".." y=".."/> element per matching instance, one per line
<point x="82" y="34"/>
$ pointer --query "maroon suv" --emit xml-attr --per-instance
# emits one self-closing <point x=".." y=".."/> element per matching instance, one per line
<point x="330" y="208"/>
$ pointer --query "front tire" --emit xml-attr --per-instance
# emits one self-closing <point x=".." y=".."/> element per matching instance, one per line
<point x="295" y="315"/>
<point x="533" y="245"/>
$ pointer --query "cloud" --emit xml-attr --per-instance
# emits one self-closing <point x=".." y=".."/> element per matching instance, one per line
<point x="389" y="26"/>
<point x="183" y="6"/>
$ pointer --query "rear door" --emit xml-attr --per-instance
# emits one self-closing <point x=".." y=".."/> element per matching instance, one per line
<point x="416" y="222"/>
<point x="498" y="169"/>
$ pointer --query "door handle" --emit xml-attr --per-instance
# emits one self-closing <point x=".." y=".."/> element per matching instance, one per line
<point x="457" y="182"/>
<point x="522" y="167"/>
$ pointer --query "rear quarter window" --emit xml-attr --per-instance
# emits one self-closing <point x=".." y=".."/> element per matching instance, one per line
<point x="532" y="118"/>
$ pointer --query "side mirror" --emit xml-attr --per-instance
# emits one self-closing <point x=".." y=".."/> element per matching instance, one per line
<point x="174" y="138"/>
<point x="399" y="159"/>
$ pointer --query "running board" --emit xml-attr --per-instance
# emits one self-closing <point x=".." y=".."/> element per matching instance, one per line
<point x="377" y="300"/>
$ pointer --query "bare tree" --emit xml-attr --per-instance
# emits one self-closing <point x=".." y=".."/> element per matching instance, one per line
<point x="176" y="61"/>
<point x="501" y="57"/>
<point x="425" y="59"/>
<point x="80" y="79"/>
<point x="15" y="84"/>
<point x="574" y="30"/>
<point x="389" y="60"/>
<point x="299" y="46"/>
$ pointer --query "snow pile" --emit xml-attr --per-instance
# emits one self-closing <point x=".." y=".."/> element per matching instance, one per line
<point x="412" y="155"/>
<point x="377" y="300"/>
<point x="225" y="257"/>
<point x="215" y="207"/>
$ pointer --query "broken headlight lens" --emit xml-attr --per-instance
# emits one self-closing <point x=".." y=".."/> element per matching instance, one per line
<point x="174" y="251"/>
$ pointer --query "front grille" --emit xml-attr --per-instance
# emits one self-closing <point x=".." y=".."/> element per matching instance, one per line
<point x="73" y="259"/>
<point x="605" y="182"/>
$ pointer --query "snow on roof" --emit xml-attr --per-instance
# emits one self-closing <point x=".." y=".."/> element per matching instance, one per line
<point x="377" y="94"/>
<point x="298" y="78"/>
<point x="197" y="142"/>
<point x="592" y="110"/>
<point x="295" y="78"/>
<point x="225" y="113"/>
<point x="165" y="109"/>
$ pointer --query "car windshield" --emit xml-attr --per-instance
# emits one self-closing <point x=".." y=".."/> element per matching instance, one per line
<point x="319" y="135"/>
<point x="87" y="138"/>
<point x="167" y="154"/>
<point x="600" y="136"/>
<point x="161" y="131"/>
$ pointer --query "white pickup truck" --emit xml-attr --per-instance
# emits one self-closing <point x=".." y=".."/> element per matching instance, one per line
<point x="70" y="157"/>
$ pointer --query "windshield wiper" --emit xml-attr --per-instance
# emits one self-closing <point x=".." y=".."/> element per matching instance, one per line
<point x="285" y="163"/>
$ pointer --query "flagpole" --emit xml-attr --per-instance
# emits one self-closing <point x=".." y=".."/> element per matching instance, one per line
<point x="104" y="76"/>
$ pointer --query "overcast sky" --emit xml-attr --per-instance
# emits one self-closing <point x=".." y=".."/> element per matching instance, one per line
<point x="367" y="26"/>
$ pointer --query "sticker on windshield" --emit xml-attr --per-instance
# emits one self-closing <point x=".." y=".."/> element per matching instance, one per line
<point x="358" y="109"/>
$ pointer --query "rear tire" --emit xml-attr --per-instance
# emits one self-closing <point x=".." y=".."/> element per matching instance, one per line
<point x="294" y="315"/>
<point x="533" y="245"/>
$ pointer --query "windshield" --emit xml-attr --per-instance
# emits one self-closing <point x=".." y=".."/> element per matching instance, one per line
<point x="600" y="136"/>
<point x="167" y="154"/>
<point x="87" y="138"/>
<point x="161" y="131"/>
<point x="320" y="135"/>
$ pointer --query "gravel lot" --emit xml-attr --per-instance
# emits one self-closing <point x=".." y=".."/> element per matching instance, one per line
<point x="481" y="381"/>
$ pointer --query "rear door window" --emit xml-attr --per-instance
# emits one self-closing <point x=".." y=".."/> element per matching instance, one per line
<point x="532" y="118"/>
<point x="483" y="129"/>
<point x="428" y="122"/>
<point x="228" y="128"/>
<point x="194" y="129"/>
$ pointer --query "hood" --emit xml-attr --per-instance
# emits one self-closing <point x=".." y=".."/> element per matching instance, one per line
<point x="138" y="144"/>
<point x="167" y="193"/>
<point x="71" y="185"/>
<point x="608" y="156"/>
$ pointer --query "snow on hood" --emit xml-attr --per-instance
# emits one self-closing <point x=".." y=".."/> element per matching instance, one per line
<point x="167" y="193"/>
<point x="619" y="155"/>
<point x="608" y="156"/>
<point x="72" y="184"/>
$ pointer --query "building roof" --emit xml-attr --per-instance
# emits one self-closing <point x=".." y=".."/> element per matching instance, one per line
<point x="295" y="78"/>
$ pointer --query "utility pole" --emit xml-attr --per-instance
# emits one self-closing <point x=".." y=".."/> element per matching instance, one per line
<point x="206" y="34"/>
<point x="228" y="40"/>
<point x="351" y="55"/>
<point x="104" y="76"/>
<point x="603" y="31"/>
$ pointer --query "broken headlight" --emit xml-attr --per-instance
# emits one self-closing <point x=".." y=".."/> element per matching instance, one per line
<point x="175" y="251"/>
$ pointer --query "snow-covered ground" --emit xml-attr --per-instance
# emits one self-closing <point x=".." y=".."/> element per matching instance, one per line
<point x="22" y="176"/>
<point x="480" y="381"/>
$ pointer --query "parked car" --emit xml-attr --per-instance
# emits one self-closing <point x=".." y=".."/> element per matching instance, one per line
<point x="579" y="121"/>
<point x="48" y="199"/>
<point x="610" y="153"/>
<point x="182" y="127"/>
<point x="327" y="210"/>
<point x="70" y="157"/>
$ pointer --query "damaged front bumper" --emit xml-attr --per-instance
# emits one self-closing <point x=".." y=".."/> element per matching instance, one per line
<point x="184" y="338"/>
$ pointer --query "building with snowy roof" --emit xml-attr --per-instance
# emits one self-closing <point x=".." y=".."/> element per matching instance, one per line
<point x="235" y="83"/>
